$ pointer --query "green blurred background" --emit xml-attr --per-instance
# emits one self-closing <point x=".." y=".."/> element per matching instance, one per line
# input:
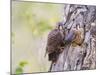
<point x="31" y="23"/>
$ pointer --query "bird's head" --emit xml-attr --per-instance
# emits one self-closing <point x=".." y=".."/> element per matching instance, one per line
<point x="59" y="25"/>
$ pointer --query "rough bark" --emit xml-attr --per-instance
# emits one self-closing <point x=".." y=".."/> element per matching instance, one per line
<point x="79" y="57"/>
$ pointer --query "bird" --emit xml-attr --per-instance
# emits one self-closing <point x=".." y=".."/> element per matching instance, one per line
<point x="79" y="36"/>
<point x="75" y="36"/>
<point x="55" y="43"/>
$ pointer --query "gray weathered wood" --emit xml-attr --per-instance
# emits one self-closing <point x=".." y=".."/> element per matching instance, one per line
<point x="79" y="57"/>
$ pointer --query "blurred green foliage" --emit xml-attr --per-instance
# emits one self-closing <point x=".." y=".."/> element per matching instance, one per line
<point x="19" y="69"/>
<point x="23" y="63"/>
<point x="31" y="23"/>
<point x="38" y="17"/>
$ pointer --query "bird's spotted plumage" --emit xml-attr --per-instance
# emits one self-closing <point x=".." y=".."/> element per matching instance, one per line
<point x="79" y="36"/>
<point x="75" y="36"/>
<point x="54" y="43"/>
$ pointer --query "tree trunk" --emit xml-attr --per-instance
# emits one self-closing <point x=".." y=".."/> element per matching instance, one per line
<point x="78" y="57"/>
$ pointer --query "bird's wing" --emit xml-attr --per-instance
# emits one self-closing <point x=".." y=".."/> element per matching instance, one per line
<point x="70" y="37"/>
